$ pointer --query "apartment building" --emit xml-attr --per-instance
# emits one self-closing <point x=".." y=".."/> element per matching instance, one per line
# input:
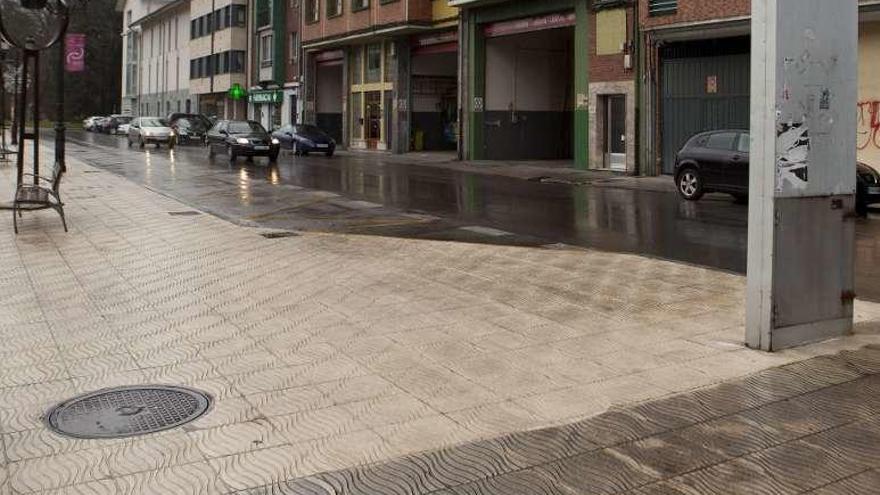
<point x="274" y="75"/>
<point x="155" y="66"/>
<point x="382" y="74"/>
<point x="218" y="45"/>
<point x="550" y="80"/>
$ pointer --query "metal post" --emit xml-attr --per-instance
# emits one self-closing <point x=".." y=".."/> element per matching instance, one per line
<point x="36" y="87"/>
<point x="59" y="109"/>
<point x="21" y="115"/>
<point x="802" y="174"/>
<point x="16" y="110"/>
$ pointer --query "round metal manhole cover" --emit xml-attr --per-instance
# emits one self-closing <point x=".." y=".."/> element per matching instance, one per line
<point x="127" y="411"/>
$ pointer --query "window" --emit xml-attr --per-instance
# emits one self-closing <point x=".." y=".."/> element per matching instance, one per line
<point x="236" y="61"/>
<point x="359" y="5"/>
<point x="312" y="11"/>
<point x="662" y="7"/>
<point x="743" y="145"/>
<point x="128" y="18"/>
<point x="334" y="8"/>
<point x="374" y="63"/>
<point x="294" y="47"/>
<point x="266" y="49"/>
<point x="264" y="13"/>
<point x="721" y="141"/>
<point x="239" y="16"/>
<point x="192" y="30"/>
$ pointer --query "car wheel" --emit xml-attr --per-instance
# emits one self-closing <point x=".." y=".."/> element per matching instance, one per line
<point x="231" y="153"/>
<point x="141" y="143"/>
<point x="861" y="209"/>
<point x="329" y="154"/>
<point x="690" y="184"/>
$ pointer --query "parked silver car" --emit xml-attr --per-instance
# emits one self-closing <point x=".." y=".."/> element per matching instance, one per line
<point x="150" y="130"/>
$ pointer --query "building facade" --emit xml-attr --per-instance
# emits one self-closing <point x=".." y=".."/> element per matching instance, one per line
<point x="155" y="66"/>
<point x="218" y="45"/>
<point x="273" y="78"/>
<point x="549" y="80"/>
<point x="382" y="74"/>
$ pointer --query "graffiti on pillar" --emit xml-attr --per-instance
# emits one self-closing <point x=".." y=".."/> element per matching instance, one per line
<point x="868" y="133"/>
<point x="793" y="156"/>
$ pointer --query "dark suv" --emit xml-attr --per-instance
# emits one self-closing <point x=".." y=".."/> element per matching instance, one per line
<point x="241" y="138"/>
<point x="718" y="161"/>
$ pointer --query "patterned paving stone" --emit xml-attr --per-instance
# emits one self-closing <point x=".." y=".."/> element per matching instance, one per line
<point x="347" y="364"/>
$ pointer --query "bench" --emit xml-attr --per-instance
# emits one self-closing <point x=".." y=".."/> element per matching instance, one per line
<point x="37" y="196"/>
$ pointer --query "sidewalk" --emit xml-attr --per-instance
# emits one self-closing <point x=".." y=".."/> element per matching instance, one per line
<point x="325" y="351"/>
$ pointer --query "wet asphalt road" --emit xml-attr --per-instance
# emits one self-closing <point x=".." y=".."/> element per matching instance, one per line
<point x="362" y="193"/>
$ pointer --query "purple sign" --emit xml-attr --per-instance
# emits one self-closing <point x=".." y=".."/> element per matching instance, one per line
<point x="75" y="52"/>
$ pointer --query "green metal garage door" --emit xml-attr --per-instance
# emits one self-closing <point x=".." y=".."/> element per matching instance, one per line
<point x="701" y="93"/>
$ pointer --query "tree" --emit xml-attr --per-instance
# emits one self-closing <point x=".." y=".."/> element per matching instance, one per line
<point x="96" y="91"/>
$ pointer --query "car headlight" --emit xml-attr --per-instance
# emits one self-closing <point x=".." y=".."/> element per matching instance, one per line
<point x="147" y="133"/>
<point x="275" y="141"/>
<point x="242" y="141"/>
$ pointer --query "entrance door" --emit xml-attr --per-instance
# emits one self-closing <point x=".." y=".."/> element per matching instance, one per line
<point x="615" y="132"/>
<point x="373" y="129"/>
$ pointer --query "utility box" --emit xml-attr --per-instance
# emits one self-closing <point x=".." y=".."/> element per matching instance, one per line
<point x="803" y="171"/>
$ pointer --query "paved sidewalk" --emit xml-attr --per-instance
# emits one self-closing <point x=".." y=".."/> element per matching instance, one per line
<point x="325" y="351"/>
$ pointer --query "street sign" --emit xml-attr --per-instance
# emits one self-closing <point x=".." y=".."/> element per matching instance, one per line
<point x="75" y="52"/>
<point x="271" y="96"/>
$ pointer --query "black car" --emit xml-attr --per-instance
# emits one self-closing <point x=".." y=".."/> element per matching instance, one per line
<point x="241" y="138"/>
<point x="304" y="139"/>
<point x="189" y="128"/>
<point x="718" y="161"/>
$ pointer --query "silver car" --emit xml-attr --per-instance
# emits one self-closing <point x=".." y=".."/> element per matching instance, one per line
<point x="150" y="130"/>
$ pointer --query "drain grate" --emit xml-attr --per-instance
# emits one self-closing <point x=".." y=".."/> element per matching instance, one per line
<point x="127" y="411"/>
<point x="188" y="213"/>
<point x="279" y="235"/>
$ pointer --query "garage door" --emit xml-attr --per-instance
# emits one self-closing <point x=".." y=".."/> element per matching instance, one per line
<point x="701" y="93"/>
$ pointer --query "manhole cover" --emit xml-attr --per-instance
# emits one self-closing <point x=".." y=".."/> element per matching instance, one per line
<point x="127" y="411"/>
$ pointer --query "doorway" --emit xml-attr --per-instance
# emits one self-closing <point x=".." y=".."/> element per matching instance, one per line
<point x="614" y="142"/>
<point x="373" y="119"/>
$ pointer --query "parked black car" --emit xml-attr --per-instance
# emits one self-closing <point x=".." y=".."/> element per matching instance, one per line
<point x="718" y="161"/>
<point x="189" y="128"/>
<point x="241" y="138"/>
<point x="304" y="139"/>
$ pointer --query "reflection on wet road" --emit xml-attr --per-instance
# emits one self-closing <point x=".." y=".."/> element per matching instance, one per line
<point x="362" y="193"/>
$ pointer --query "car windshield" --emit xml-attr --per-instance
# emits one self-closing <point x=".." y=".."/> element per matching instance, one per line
<point x="195" y="125"/>
<point x="152" y="122"/>
<point x="245" y="127"/>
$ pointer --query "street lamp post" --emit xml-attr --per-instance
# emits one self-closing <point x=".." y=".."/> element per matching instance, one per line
<point x="33" y="26"/>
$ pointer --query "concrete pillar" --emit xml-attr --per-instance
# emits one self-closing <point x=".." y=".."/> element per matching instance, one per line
<point x="310" y="76"/>
<point x="401" y="78"/>
<point x="802" y="175"/>
<point x="346" y="98"/>
<point x="582" y="85"/>
<point x="476" y="81"/>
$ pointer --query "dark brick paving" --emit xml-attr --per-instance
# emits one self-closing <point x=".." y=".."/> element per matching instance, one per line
<point x="809" y="427"/>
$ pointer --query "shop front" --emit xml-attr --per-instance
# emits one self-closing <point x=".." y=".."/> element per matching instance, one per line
<point x="267" y="107"/>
